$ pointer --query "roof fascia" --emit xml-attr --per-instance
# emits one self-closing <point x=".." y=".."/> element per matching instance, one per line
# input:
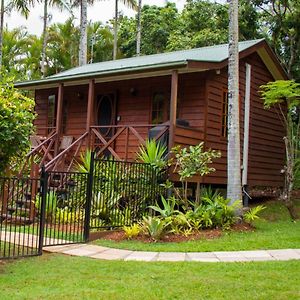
<point x="76" y="80"/>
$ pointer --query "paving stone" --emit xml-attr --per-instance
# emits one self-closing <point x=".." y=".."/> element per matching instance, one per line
<point x="108" y="255"/>
<point x="142" y="256"/>
<point x="195" y="257"/>
<point x="202" y="254"/>
<point x="264" y="258"/>
<point x="233" y="259"/>
<point x="258" y="253"/>
<point x="221" y="254"/>
<point x="81" y="251"/>
<point x="62" y="248"/>
<point x="171" y="256"/>
<point x="286" y="254"/>
<point x="96" y="248"/>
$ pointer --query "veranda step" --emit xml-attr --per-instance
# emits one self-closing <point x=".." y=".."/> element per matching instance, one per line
<point x="24" y="202"/>
<point x="16" y="219"/>
<point x="19" y="210"/>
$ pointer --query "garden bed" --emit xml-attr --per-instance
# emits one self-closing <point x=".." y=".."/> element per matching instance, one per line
<point x="207" y="234"/>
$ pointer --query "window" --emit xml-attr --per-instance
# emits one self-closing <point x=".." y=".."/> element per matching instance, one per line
<point x="159" y="109"/>
<point x="51" y="112"/>
<point x="224" y="114"/>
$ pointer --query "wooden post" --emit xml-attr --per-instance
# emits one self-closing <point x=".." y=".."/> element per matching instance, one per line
<point x="90" y="110"/>
<point x="58" y="125"/>
<point x="173" y="107"/>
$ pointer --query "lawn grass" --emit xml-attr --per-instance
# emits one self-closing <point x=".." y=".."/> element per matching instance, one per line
<point x="275" y="230"/>
<point x="54" y="276"/>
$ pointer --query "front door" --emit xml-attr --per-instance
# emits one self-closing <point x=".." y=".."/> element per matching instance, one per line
<point x="106" y="115"/>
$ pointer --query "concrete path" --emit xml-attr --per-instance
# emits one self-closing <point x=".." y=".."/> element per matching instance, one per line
<point x="99" y="252"/>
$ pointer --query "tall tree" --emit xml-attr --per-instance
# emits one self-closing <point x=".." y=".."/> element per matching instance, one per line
<point x="234" y="191"/>
<point x="60" y="4"/>
<point x="63" y="43"/>
<point x="83" y="33"/>
<point x="129" y="3"/>
<point x="281" y="20"/>
<point x="20" y="5"/>
<point x="100" y="42"/>
<point x="139" y="29"/>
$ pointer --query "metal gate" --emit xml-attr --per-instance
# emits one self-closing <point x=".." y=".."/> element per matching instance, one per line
<point x="62" y="207"/>
<point x="46" y="211"/>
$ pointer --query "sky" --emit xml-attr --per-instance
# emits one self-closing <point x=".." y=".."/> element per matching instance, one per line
<point x="100" y="11"/>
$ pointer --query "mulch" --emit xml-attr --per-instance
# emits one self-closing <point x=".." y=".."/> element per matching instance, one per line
<point x="206" y="234"/>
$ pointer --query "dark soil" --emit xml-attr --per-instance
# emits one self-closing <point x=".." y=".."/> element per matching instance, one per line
<point x="207" y="234"/>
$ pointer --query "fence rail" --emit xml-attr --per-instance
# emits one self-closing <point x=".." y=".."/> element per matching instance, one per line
<point x="122" y="192"/>
<point x="63" y="207"/>
<point x="20" y="226"/>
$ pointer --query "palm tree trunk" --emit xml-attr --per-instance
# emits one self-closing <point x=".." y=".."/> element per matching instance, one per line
<point x="115" y="31"/>
<point x="1" y="31"/>
<point x="44" y="37"/>
<point x="83" y="34"/>
<point x="138" y="35"/>
<point x="234" y="191"/>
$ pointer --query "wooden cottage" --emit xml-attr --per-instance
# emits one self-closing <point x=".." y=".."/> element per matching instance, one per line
<point x="180" y="97"/>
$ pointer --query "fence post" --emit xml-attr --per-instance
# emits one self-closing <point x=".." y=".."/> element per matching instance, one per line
<point x="43" y="194"/>
<point x="88" y="204"/>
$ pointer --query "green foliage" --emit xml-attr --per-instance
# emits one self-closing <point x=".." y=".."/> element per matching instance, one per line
<point x="281" y="91"/>
<point x="67" y="216"/>
<point x="85" y="162"/>
<point x="51" y="204"/>
<point x="153" y="153"/>
<point x="253" y="214"/>
<point x="132" y="231"/>
<point x="168" y="209"/>
<point x="284" y="95"/>
<point x="194" y="160"/>
<point x="214" y="211"/>
<point x="16" y="123"/>
<point x="155" y="227"/>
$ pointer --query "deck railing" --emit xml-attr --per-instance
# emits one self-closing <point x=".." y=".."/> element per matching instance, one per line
<point x="120" y="142"/>
<point x="123" y="141"/>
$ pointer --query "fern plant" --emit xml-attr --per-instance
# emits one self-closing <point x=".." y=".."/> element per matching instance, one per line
<point x="253" y="214"/>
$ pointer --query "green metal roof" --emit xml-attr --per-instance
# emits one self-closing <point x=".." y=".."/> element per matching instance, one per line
<point x="212" y="54"/>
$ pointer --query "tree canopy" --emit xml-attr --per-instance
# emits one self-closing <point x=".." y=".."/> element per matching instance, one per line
<point x="200" y="23"/>
<point x="16" y="123"/>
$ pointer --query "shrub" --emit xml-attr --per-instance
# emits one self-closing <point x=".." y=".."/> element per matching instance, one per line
<point x="252" y="214"/>
<point x="153" y="153"/>
<point x="132" y="231"/>
<point x="155" y="227"/>
<point x="16" y="123"/>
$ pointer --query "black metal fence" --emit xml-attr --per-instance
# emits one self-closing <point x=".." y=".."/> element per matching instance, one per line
<point x="65" y="207"/>
<point x="62" y="207"/>
<point x="20" y="226"/>
<point x="122" y="192"/>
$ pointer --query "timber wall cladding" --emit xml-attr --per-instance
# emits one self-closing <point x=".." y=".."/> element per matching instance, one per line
<point x="266" y="148"/>
<point x="41" y="109"/>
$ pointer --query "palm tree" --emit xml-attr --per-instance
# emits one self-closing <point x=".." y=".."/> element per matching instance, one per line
<point x="20" y="5"/>
<point x="129" y="3"/>
<point x="100" y="42"/>
<point x="138" y="35"/>
<point x="63" y="43"/>
<point x="60" y="4"/>
<point x="83" y="33"/>
<point x="233" y="148"/>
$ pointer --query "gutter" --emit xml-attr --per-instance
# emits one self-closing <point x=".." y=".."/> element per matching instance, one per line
<point x="58" y="79"/>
